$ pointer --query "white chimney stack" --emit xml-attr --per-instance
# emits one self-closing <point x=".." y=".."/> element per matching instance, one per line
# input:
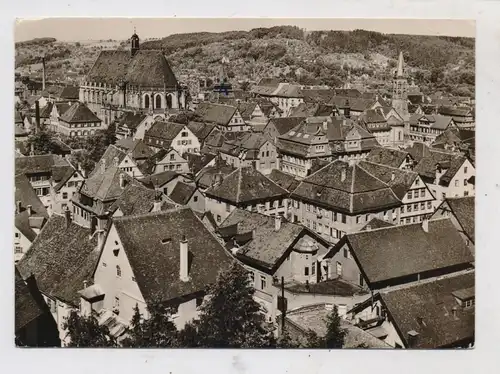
<point x="393" y="176"/>
<point x="30" y="210"/>
<point x="184" y="256"/>
<point x="277" y="222"/>
<point x="122" y="180"/>
<point x="425" y="224"/>
<point x="100" y="239"/>
<point x="103" y="165"/>
<point x="157" y="206"/>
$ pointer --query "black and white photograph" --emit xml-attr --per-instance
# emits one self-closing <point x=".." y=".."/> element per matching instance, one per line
<point x="244" y="183"/>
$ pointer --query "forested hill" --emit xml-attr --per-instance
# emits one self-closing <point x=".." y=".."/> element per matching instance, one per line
<point x="443" y="62"/>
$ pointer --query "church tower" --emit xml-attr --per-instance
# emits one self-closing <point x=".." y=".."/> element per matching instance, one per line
<point x="400" y="89"/>
<point x="134" y="44"/>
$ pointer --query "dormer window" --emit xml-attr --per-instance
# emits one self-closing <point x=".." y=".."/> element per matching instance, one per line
<point x="116" y="251"/>
<point x="118" y="271"/>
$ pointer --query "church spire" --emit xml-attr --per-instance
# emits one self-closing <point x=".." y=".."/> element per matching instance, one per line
<point x="134" y="43"/>
<point x="401" y="62"/>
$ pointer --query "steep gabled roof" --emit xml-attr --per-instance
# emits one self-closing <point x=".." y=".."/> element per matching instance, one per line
<point x="245" y="185"/>
<point x="27" y="306"/>
<point x="387" y="156"/>
<point x="197" y="162"/>
<point x="147" y="68"/>
<point x="427" y="308"/>
<point x="135" y="199"/>
<point x="399" y="180"/>
<point x="284" y="180"/>
<point x="463" y="210"/>
<point x="359" y="192"/>
<point x="219" y="114"/>
<point x="182" y="192"/>
<point x="207" y="174"/>
<point x="136" y="148"/>
<point x="165" y="130"/>
<point x="399" y="251"/>
<point x="38" y="164"/>
<point x="449" y="161"/>
<point x="25" y="194"/>
<point x="266" y="246"/>
<point x="111" y="157"/>
<point x="61" y="258"/>
<point x="70" y="93"/>
<point x="159" y="179"/>
<point x="79" y="113"/>
<point x="285" y="124"/>
<point x="152" y="241"/>
<point x="200" y="129"/>
<point x="131" y="120"/>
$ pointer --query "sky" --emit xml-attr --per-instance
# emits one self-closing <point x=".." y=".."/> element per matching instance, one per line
<point x="73" y="29"/>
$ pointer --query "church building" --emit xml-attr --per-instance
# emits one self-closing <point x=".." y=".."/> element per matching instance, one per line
<point x="134" y="80"/>
<point x="400" y="90"/>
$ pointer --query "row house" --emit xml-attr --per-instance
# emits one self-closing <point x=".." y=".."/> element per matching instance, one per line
<point x="100" y="190"/>
<point x="30" y="216"/>
<point x="408" y="186"/>
<point x="426" y="128"/>
<point x="396" y="158"/>
<point x="462" y="214"/>
<point x="245" y="188"/>
<point x="253" y="150"/>
<point x="457" y="140"/>
<point x="341" y="198"/>
<point x="272" y="248"/>
<point x="61" y="261"/>
<point x="285" y="95"/>
<point x="443" y="317"/>
<point x="376" y="258"/>
<point x="45" y="173"/>
<point x="463" y="116"/>
<point x="227" y="117"/>
<point x="128" y="124"/>
<point x="322" y="138"/>
<point x="182" y="256"/>
<point x="386" y="124"/>
<point x="135" y="79"/>
<point x="447" y="174"/>
<point x="164" y="160"/>
<point x="280" y="126"/>
<point x="171" y="135"/>
<point x="78" y="121"/>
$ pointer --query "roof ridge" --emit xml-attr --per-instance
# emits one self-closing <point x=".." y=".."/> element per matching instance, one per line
<point x="151" y="214"/>
<point x="238" y="189"/>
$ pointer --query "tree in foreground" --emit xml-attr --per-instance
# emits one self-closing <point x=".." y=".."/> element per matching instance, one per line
<point x="335" y="335"/>
<point x="85" y="331"/>
<point x="230" y="317"/>
<point x="156" y="331"/>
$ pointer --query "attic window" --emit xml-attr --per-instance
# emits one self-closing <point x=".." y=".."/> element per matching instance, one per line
<point x="116" y="251"/>
<point x="306" y="136"/>
<point x="166" y="240"/>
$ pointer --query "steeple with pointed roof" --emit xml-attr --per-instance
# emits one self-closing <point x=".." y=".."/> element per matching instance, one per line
<point x="400" y="89"/>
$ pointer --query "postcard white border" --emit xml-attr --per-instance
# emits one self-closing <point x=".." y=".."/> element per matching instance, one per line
<point x="485" y="358"/>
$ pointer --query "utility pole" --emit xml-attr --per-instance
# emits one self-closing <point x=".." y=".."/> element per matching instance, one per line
<point x="283" y="305"/>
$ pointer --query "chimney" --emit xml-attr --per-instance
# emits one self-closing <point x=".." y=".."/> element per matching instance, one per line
<point x="67" y="215"/>
<point x="184" y="255"/>
<point x="325" y="125"/>
<point x="18" y="206"/>
<point x="116" y="161"/>
<point x="103" y="165"/>
<point x="85" y="283"/>
<point x="277" y="222"/>
<point x="368" y="227"/>
<point x="425" y="224"/>
<point x="122" y="180"/>
<point x="43" y="73"/>
<point x="412" y="338"/>
<point x="157" y="205"/>
<point x="93" y="224"/>
<point x="30" y="210"/>
<point x="37" y="116"/>
<point x="454" y="312"/>
<point x="343" y="173"/>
